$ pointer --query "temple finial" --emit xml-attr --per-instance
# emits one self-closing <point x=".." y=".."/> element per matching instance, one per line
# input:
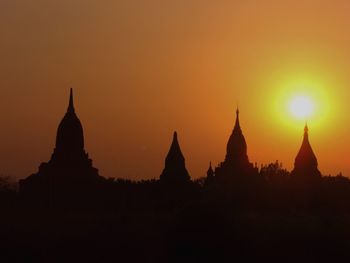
<point x="71" y="102"/>
<point x="210" y="167"/>
<point x="306" y="128"/>
<point x="210" y="172"/>
<point x="237" y="125"/>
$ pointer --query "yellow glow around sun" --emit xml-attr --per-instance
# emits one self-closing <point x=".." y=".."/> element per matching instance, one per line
<point x="301" y="107"/>
<point x="302" y="100"/>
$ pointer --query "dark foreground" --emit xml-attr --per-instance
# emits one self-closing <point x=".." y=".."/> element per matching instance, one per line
<point x="146" y="222"/>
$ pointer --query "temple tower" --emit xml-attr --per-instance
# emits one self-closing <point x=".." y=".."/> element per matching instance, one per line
<point x="306" y="164"/>
<point x="236" y="163"/>
<point x="210" y="172"/>
<point x="69" y="171"/>
<point x="70" y="135"/>
<point x="175" y="171"/>
<point x="236" y="150"/>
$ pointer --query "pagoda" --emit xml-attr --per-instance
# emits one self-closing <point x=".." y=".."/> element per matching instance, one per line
<point x="175" y="171"/>
<point x="305" y="164"/>
<point x="236" y="163"/>
<point x="69" y="171"/>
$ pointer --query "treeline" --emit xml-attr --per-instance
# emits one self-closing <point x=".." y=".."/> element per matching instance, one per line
<point x="272" y="186"/>
<point x="272" y="217"/>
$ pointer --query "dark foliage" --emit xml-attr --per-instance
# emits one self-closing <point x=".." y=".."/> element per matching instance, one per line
<point x="273" y="218"/>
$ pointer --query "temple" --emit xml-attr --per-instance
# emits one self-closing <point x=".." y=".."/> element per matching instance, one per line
<point x="209" y="180"/>
<point x="210" y="172"/>
<point x="306" y="165"/>
<point x="175" y="171"/>
<point x="70" y="170"/>
<point x="236" y="163"/>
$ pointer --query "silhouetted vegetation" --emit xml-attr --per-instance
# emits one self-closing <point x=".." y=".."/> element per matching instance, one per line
<point x="149" y="222"/>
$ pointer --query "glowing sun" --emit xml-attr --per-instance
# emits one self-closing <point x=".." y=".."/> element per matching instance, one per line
<point x="301" y="107"/>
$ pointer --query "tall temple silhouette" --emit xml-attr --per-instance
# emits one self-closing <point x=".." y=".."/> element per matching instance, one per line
<point x="236" y="163"/>
<point x="175" y="171"/>
<point x="70" y="170"/>
<point x="306" y="165"/>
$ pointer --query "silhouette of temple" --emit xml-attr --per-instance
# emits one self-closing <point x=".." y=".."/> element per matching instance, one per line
<point x="236" y="163"/>
<point x="306" y="164"/>
<point x="70" y="170"/>
<point x="175" y="171"/>
<point x="210" y="172"/>
<point x="210" y="175"/>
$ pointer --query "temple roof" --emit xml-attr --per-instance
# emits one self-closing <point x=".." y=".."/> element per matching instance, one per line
<point x="306" y="157"/>
<point x="71" y="102"/>
<point x="175" y="169"/>
<point x="175" y="153"/>
<point x="236" y="146"/>
<point x="210" y="171"/>
<point x="70" y="135"/>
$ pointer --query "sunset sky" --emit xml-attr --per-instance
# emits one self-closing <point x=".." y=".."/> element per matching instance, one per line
<point x="142" y="69"/>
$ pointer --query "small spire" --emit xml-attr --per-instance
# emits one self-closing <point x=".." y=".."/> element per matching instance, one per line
<point x="306" y="162"/>
<point x="175" y="147"/>
<point x="306" y="128"/>
<point x="210" y="172"/>
<point x="210" y="167"/>
<point x="237" y="125"/>
<point x="306" y="134"/>
<point x="71" y="102"/>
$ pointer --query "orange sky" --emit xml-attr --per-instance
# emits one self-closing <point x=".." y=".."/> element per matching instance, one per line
<point x="141" y="69"/>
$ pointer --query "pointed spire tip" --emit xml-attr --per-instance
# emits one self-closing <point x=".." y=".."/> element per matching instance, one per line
<point x="237" y="125"/>
<point x="71" y="101"/>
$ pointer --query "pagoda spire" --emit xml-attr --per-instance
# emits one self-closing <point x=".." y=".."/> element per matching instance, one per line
<point x="71" y="102"/>
<point x="210" y="172"/>
<point x="175" y="169"/>
<point x="306" y="143"/>
<point x="175" y="151"/>
<point x="306" y="128"/>
<point x="236" y="149"/>
<point x="70" y="135"/>
<point x="210" y="167"/>
<point x="306" y="161"/>
<point x="237" y="124"/>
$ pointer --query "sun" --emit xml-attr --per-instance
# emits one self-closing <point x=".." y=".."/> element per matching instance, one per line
<point x="298" y="99"/>
<point x="301" y="107"/>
